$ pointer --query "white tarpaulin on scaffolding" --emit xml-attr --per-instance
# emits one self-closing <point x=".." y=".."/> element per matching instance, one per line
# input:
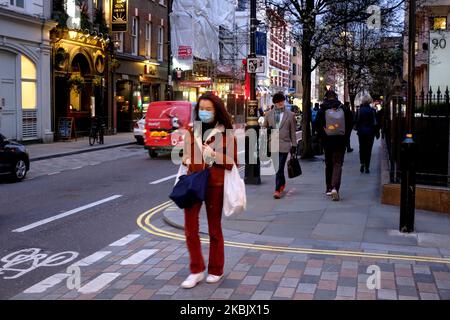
<point x="195" y="23"/>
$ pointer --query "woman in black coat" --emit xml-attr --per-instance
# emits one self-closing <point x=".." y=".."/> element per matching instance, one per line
<point x="366" y="126"/>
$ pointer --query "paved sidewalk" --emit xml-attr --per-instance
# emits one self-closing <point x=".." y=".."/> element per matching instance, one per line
<point x="303" y="246"/>
<point x="306" y="213"/>
<point x="41" y="151"/>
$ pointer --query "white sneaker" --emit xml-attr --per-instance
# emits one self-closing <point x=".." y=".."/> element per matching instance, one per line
<point x="213" y="279"/>
<point x="192" y="280"/>
<point x="334" y="195"/>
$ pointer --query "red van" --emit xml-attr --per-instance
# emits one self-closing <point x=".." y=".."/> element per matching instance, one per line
<point x="163" y="122"/>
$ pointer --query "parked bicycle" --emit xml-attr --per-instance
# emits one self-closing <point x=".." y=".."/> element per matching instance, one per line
<point x="97" y="131"/>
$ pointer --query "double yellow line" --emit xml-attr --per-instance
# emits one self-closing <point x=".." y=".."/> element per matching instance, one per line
<point x="144" y="222"/>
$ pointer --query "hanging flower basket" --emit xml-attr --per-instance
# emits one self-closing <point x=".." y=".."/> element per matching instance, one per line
<point x="114" y="64"/>
<point x="97" y="81"/>
<point x="77" y="83"/>
<point x="61" y="57"/>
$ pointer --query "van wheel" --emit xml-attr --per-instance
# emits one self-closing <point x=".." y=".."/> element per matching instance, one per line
<point x="153" y="154"/>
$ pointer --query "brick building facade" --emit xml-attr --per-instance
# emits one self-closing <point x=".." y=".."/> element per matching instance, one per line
<point x="142" y="58"/>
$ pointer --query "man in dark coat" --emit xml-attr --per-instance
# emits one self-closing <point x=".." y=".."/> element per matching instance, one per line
<point x="367" y="127"/>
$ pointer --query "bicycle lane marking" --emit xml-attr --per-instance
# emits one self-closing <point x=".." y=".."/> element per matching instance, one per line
<point x="144" y="222"/>
<point x="65" y="214"/>
<point x="24" y="261"/>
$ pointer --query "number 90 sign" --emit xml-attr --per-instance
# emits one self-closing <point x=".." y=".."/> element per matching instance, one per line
<point x="441" y="43"/>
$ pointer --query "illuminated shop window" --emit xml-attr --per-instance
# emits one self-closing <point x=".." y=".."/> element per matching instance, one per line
<point x="28" y="68"/>
<point x="29" y="90"/>
<point x="75" y="101"/>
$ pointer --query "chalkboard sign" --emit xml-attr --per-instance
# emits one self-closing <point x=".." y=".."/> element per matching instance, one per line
<point x="65" y="128"/>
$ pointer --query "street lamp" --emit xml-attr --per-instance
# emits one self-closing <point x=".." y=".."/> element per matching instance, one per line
<point x="407" y="149"/>
<point x="252" y="170"/>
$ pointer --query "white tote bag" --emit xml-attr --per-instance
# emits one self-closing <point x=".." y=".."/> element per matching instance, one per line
<point x="234" y="196"/>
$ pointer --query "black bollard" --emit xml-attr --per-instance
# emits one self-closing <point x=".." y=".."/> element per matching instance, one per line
<point x="408" y="184"/>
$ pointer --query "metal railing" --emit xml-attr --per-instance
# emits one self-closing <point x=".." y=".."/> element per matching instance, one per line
<point x="431" y="129"/>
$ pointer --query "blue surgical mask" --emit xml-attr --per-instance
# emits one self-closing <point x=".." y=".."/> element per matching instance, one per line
<point x="206" y="116"/>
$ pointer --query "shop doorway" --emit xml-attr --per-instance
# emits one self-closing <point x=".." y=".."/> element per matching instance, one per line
<point x="74" y="95"/>
<point x="124" y="108"/>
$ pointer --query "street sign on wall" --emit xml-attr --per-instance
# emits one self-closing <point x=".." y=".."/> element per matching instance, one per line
<point x="439" y="62"/>
<point x="255" y="65"/>
<point x="119" y="15"/>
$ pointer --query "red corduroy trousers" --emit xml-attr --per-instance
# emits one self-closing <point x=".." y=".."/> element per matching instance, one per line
<point x="214" y="204"/>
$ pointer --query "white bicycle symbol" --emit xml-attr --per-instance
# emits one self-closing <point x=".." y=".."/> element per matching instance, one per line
<point x="30" y="259"/>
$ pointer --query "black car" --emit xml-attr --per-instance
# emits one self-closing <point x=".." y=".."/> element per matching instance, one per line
<point x="14" y="159"/>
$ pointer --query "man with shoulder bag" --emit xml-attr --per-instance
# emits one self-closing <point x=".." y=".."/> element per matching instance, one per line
<point x="282" y="126"/>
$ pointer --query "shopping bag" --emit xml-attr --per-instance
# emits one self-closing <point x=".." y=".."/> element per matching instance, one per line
<point x="190" y="189"/>
<point x="234" y="196"/>
<point x="294" y="168"/>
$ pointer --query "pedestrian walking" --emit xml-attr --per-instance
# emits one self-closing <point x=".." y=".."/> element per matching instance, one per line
<point x="220" y="151"/>
<point x="315" y="141"/>
<point x="367" y="128"/>
<point x="333" y="124"/>
<point x="284" y="121"/>
<point x="314" y="112"/>
<point x="347" y="106"/>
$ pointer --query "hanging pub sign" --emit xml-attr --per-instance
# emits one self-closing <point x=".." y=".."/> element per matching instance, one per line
<point x="119" y="15"/>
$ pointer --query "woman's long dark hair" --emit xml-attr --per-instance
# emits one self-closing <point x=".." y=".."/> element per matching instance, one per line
<point x="221" y="114"/>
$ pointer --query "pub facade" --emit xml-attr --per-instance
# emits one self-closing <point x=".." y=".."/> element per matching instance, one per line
<point x="80" y="59"/>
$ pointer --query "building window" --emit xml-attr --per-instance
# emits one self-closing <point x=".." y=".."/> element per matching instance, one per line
<point x="134" y="36"/>
<point x="294" y="69"/>
<point x="160" y="44"/>
<point x="148" y="40"/>
<point x="294" y="85"/>
<point x="17" y="3"/>
<point x="29" y="90"/>
<point x="294" y="51"/>
<point x="118" y="41"/>
<point x="439" y="23"/>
